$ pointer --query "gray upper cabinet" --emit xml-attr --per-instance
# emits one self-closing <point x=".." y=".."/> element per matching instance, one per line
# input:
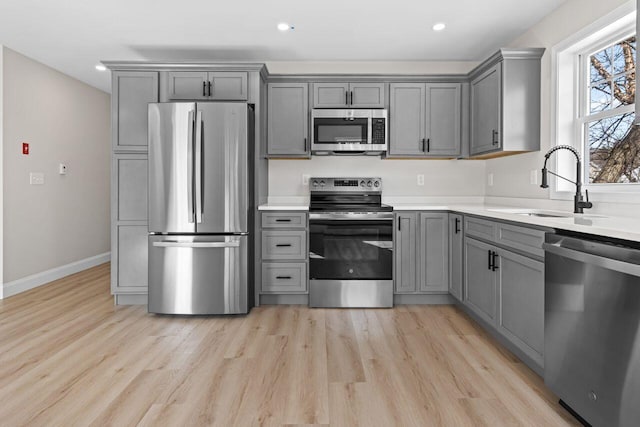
<point x="433" y="254"/>
<point x="131" y="92"/>
<point x="288" y="120"/>
<point x="348" y="95"/>
<point x="456" y="246"/>
<point x="505" y="103"/>
<point x="425" y="119"/>
<point x="407" y="115"/>
<point x="202" y="85"/>
<point x="485" y="111"/>
<point x="405" y="252"/>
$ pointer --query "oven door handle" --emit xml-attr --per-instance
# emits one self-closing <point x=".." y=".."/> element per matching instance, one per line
<point x="375" y="216"/>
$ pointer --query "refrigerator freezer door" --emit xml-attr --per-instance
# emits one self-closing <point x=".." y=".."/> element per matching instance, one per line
<point x="171" y="192"/>
<point x="222" y="197"/>
<point x="198" y="274"/>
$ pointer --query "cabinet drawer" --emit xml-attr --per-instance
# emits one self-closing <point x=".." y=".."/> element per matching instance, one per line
<point x="522" y="238"/>
<point x="480" y="228"/>
<point x="284" y="245"/>
<point x="284" y="277"/>
<point x="284" y="220"/>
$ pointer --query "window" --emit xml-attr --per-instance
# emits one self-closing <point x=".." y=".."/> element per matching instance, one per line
<point x="593" y="88"/>
<point x="611" y="144"/>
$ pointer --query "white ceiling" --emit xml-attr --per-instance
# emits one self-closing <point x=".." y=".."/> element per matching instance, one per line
<point x="74" y="35"/>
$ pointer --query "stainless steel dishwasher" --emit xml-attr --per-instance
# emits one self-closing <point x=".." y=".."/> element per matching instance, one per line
<point x="592" y="327"/>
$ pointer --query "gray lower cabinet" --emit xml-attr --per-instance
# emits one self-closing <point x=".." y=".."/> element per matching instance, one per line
<point x="425" y="120"/>
<point x="456" y="252"/>
<point x="131" y="92"/>
<point x="348" y="95"/>
<point x="505" y="103"/>
<point x="521" y="303"/>
<point x="421" y="245"/>
<point x="504" y="283"/>
<point x="288" y="120"/>
<point x="433" y="253"/>
<point x="284" y="252"/>
<point x="404" y="269"/>
<point x="203" y="85"/>
<point x="480" y="280"/>
<point x="129" y="249"/>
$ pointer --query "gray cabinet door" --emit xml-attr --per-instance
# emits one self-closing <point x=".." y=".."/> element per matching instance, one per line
<point x="485" y="111"/>
<point x="405" y="274"/>
<point x="288" y="120"/>
<point x="521" y="302"/>
<point x="131" y="92"/>
<point x="443" y="125"/>
<point x="228" y="86"/>
<point x="130" y="260"/>
<point x="130" y="187"/>
<point x="407" y="119"/>
<point x="190" y="85"/>
<point x="433" y="258"/>
<point x="366" y="95"/>
<point x="456" y="245"/>
<point x="330" y="95"/>
<point x="479" y="280"/>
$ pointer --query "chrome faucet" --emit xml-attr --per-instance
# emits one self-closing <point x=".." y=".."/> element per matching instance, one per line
<point x="579" y="204"/>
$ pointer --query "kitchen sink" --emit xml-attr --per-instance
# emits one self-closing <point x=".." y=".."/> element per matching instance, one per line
<point x="543" y="213"/>
<point x="547" y="215"/>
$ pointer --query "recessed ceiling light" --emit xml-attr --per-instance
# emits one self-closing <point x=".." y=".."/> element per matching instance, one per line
<point x="439" y="26"/>
<point x="283" y="26"/>
<point x="101" y="67"/>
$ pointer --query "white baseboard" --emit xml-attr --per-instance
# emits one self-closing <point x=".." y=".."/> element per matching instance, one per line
<point x="39" y="279"/>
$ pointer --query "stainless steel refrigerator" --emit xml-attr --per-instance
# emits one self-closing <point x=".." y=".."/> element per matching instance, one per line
<point x="200" y="208"/>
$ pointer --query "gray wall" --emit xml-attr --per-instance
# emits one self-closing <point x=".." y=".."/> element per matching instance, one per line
<point x="64" y="120"/>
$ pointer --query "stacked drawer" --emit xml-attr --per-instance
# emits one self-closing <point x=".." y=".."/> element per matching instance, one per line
<point x="284" y="252"/>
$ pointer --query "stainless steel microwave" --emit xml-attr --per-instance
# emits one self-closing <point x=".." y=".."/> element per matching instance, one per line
<point x="355" y="131"/>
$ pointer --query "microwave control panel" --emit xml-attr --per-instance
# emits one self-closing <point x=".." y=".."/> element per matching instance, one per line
<point x="378" y="128"/>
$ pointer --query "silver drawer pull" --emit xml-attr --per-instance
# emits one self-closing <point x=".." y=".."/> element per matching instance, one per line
<point x="176" y="244"/>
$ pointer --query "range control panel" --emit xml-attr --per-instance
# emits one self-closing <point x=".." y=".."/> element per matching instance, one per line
<point x="354" y="185"/>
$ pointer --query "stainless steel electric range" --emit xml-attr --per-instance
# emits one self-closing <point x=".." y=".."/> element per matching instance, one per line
<point x="350" y="244"/>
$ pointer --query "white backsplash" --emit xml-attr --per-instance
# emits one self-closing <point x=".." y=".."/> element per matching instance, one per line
<point x="442" y="178"/>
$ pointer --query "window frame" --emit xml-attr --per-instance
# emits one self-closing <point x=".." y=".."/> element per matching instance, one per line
<point x="567" y="81"/>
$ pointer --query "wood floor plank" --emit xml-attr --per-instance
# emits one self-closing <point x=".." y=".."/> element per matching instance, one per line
<point x="69" y="357"/>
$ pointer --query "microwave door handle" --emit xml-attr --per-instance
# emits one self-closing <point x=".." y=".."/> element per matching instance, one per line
<point x="199" y="169"/>
<point x="190" y="168"/>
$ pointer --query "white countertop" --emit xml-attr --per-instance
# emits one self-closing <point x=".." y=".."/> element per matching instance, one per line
<point x="601" y="225"/>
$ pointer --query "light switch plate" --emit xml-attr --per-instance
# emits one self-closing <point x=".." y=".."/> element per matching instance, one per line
<point x="305" y="179"/>
<point x="36" y="178"/>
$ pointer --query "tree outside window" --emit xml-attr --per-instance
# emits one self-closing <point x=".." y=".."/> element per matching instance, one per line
<point x="612" y="141"/>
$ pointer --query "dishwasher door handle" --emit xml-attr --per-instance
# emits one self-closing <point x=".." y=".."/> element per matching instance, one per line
<point x="589" y="258"/>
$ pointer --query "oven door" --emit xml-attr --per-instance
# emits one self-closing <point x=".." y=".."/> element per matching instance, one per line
<point x="351" y="260"/>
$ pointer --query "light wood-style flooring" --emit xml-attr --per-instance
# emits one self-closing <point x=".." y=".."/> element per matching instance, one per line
<point x="69" y="357"/>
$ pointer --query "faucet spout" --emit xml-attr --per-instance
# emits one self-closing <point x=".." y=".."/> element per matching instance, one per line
<point x="579" y="204"/>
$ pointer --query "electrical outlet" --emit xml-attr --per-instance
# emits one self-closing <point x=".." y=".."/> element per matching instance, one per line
<point x="420" y="179"/>
<point x="36" y="178"/>
<point x="490" y="180"/>
<point x="533" y="177"/>
<point x="305" y="179"/>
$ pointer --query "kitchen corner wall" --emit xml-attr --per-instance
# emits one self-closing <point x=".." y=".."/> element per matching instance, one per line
<point x="511" y="175"/>
<point x="442" y="178"/>
<point x="65" y="121"/>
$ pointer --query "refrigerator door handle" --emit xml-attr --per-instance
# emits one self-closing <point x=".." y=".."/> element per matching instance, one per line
<point x="190" y="168"/>
<point x="178" y="244"/>
<point x="199" y="169"/>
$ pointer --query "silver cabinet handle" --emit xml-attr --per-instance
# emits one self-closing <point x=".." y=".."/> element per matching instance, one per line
<point x="177" y="244"/>
<point x="198" y="169"/>
<point x="190" y="168"/>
